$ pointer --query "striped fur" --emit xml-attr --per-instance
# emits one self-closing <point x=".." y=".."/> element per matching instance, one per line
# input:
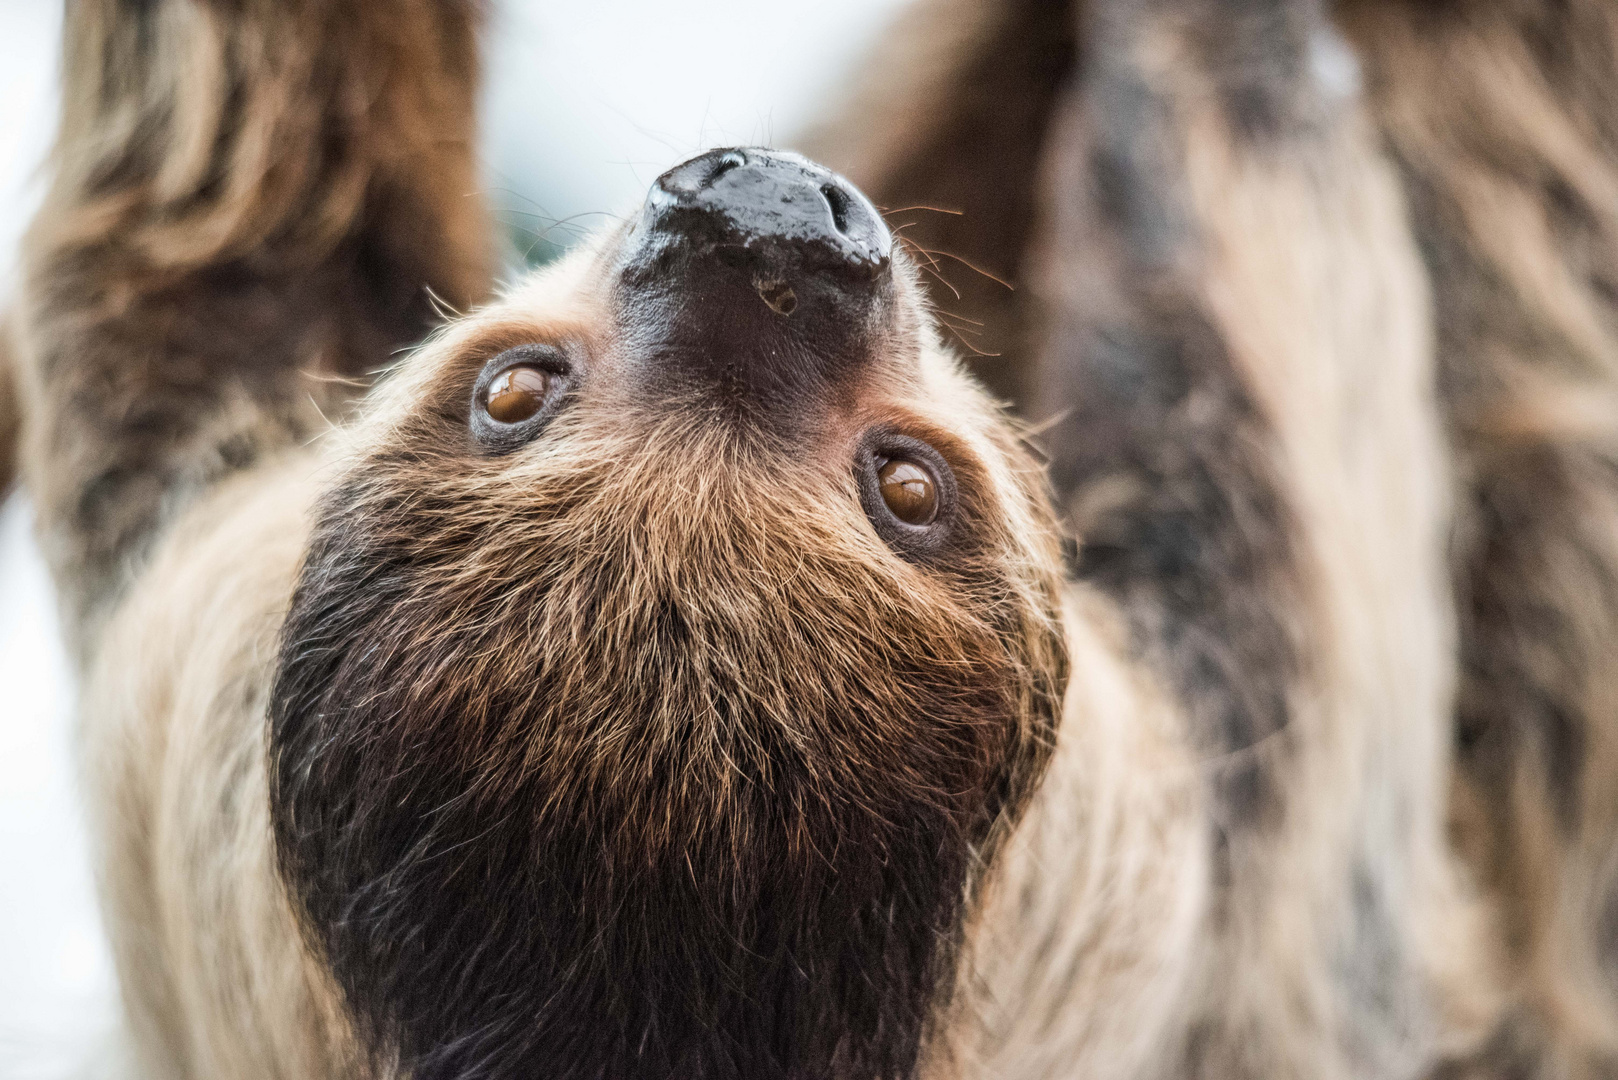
<point x="1325" y="296"/>
<point x="1502" y="119"/>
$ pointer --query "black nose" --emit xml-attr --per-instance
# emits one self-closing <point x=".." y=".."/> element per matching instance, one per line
<point x="757" y="272"/>
<point x="782" y="208"/>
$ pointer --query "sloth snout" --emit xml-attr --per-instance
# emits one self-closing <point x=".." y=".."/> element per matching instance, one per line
<point x="758" y="276"/>
<point x="781" y="209"/>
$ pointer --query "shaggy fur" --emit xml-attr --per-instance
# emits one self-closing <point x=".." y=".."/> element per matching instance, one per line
<point x="1253" y="230"/>
<point x="1503" y="120"/>
<point x="253" y="207"/>
<point x="635" y="751"/>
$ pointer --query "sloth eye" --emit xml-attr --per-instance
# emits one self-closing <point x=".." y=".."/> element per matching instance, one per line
<point x="517" y="393"/>
<point x="909" y="490"/>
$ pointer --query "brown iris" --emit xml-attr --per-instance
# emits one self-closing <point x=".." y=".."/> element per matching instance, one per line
<point x="909" y="490"/>
<point x="517" y="393"/>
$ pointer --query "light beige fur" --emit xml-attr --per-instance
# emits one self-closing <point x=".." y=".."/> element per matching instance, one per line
<point x="1315" y="281"/>
<point x="216" y="981"/>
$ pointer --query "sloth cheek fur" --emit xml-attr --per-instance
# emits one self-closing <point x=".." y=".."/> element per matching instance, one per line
<point x="590" y="780"/>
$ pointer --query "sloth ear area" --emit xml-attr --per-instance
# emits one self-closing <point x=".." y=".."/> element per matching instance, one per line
<point x="516" y="395"/>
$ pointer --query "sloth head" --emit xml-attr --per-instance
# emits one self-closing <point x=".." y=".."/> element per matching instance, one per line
<point x="678" y="640"/>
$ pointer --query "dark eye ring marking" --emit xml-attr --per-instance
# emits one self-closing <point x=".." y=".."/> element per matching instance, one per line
<point x="908" y="491"/>
<point x="516" y="395"/>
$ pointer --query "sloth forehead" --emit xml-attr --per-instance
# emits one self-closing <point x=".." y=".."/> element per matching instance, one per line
<point x="918" y="388"/>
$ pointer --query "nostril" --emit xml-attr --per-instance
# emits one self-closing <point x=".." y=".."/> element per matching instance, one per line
<point x="837" y="199"/>
<point x="779" y="296"/>
<point x="729" y="160"/>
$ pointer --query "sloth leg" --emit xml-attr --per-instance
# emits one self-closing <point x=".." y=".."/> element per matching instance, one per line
<point x="1238" y="344"/>
<point x="1503" y="117"/>
<point x="252" y="207"/>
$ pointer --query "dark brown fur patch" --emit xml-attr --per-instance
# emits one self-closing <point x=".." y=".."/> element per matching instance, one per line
<point x="579" y="780"/>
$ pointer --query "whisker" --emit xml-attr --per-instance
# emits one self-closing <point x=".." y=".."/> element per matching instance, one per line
<point x="942" y="280"/>
<point x="968" y="264"/>
<point x="924" y="206"/>
<point x="927" y="262"/>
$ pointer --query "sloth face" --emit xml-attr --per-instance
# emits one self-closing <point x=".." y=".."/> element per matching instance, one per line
<point x="673" y="649"/>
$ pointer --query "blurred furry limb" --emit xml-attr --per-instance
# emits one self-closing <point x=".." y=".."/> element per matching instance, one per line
<point x="1151" y="202"/>
<point x="246" y="204"/>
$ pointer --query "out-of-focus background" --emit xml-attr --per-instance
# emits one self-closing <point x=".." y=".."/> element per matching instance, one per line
<point x="584" y="105"/>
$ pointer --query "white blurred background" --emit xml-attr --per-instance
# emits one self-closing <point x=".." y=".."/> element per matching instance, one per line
<point x="585" y="103"/>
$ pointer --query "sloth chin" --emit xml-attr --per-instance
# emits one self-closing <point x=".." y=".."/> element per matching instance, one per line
<point x="672" y="651"/>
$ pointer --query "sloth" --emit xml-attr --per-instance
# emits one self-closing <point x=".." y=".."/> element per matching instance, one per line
<point x="636" y="687"/>
<point x="677" y="664"/>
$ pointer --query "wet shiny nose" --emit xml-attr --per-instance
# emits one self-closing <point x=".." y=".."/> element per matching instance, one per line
<point x="780" y="208"/>
<point x="754" y="277"/>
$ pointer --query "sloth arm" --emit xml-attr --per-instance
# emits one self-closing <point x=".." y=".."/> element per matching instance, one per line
<point x="250" y="211"/>
<point x="1224" y="319"/>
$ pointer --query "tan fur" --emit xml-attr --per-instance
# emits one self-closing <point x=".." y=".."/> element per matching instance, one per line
<point x="1312" y="273"/>
<point x="216" y="982"/>
<point x="1501" y="118"/>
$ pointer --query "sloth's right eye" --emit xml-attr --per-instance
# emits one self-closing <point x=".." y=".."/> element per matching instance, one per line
<point x="517" y="393"/>
<point x="908" y="492"/>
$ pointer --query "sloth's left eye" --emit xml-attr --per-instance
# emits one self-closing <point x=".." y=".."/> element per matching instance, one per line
<point x="516" y="395"/>
<point x="908" y="492"/>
